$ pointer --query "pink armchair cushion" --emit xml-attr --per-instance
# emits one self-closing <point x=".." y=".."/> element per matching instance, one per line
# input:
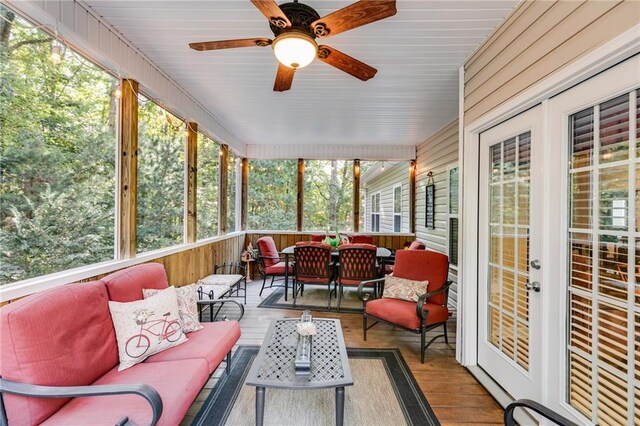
<point x="58" y="337"/>
<point x="424" y="265"/>
<point x="267" y="248"/>
<point x="211" y="343"/>
<point x="177" y="382"/>
<point x="126" y="285"/>
<point x="278" y="269"/>
<point x="417" y="245"/>
<point x="404" y="313"/>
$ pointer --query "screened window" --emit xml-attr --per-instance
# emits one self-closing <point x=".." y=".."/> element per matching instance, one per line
<point x="207" y="184"/>
<point x="57" y="161"/>
<point x="397" y="208"/>
<point x="273" y="187"/>
<point x="375" y="213"/>
<point x="328" y="195"/>
<point x="161" y="147"/>
<point x="232" y="193"/>
<point x="453" y="215"/>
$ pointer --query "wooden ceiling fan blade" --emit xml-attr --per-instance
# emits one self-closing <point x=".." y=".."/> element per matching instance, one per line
<point x="284" y="78"/>
<point x="355" y="15"/>
<point x="346" y="63"/>
<point x="272" y="12"/>
<point x="229" y="44"/>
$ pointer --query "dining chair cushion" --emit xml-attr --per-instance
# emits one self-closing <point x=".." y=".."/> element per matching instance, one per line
<point x="403" y="313"/>
<point x="417" y="245"/>
<point x="268" y="251"/>
<point x="361" y="239"/>
<point x="278" y="269"/>
<point x="424" y="265"/>
<point x="404" y="289"/>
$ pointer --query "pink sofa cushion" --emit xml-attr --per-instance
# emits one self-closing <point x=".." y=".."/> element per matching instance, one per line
<point x="126" y="285"/>
<point x="404" y="313"/>
<point x="211" y="344"/>
<point x="57" y="337"/>
<point x="177" y="382"/>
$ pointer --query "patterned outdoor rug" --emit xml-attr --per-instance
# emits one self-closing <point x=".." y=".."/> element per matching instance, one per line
<point x="314" y="299"/>
<point x="384" y="393"/>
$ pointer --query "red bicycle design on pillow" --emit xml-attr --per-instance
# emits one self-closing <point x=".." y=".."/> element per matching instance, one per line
<point x="163" y="329"/>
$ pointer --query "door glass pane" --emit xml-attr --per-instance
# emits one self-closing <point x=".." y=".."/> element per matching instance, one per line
<point x="602" y="287"/>
<point x="582" y="138"/>
<point x="614" y="129"/>
<point x="509" y="247"/>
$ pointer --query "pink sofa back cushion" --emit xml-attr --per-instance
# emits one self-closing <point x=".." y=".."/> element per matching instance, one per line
<point x="267" y="247"/>
<point x="126" y="285"/>
<point x="58" y="337"/>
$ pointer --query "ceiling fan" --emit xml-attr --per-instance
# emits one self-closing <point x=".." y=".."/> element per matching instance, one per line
<point x="296" y="26"/>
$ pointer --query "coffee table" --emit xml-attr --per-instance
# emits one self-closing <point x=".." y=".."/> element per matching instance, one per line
<point x="274" y="364"/>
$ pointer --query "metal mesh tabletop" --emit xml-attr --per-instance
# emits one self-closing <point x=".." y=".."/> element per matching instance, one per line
<point x="274" y="365"/>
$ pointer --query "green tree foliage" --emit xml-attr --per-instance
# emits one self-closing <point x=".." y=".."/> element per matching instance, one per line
<point x="273" y="186"/>
<point x="161" y="146"/>
<point x="232" y="170"/>
<point x="207" y="187"/>
<point x="57" y="156"/>
<point x="328" y="195"/>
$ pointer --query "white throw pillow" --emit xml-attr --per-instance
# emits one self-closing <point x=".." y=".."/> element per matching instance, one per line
<point x="187" y="306"/>
<point x="404" y="289"/>
<point x="146" y="327"/>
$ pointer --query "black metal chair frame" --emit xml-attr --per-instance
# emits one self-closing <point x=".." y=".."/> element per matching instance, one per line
<point x="262" y="268"/>
<point x="298" y="284"/>
<point x="241" y="286"/>
<point x="538" y="408"/>
<point x="420" y="311"/>
<point x="364" y="278"/>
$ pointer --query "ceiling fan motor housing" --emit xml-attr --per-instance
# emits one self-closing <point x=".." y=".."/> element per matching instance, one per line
<point x="301" y="17"/>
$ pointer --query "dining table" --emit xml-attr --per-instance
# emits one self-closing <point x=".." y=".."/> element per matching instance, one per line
<point x="381" y="253"/>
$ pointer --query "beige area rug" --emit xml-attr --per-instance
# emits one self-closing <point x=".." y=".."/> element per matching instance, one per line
<point x="315" y="299"/>
<point x="384" y="393"/>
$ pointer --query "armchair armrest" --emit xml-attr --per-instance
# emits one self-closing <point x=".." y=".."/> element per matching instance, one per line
<point x="366" y="296"/>
<point x="538" y="408"/>
<point x="38" y="391"/>
<point x="211" y="303"/>
<point x="423" y="299"/>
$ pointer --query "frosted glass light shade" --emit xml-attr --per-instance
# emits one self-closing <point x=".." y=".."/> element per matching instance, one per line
<point x="295" y="50"/>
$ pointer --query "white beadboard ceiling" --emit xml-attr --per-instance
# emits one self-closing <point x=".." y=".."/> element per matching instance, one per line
<point x="417" y="53"/>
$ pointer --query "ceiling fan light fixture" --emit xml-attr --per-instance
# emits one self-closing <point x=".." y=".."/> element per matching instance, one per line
<point x="295" y="49"/>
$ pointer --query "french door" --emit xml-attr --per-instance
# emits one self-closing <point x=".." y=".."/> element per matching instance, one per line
<point x="509" y="254"/>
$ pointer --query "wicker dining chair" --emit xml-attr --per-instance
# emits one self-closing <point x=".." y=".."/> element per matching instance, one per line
<point x="313" y="265"/>
<point x="356" y="263"/>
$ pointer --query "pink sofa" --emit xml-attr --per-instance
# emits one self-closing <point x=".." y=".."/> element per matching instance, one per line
<point x="61" y="342"/>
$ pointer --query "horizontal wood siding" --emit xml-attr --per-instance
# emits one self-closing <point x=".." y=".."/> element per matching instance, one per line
<point x="435" y="155"/>
<point x="385" y="183"/>
<point x="536" y="40"/>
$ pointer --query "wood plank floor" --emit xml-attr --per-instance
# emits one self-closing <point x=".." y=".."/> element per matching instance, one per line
<point x="453" y="393"/>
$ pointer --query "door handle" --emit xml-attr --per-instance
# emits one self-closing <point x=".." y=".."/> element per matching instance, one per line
<point x="535" y="286"/>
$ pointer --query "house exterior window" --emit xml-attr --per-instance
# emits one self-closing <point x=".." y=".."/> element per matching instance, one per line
<point x="452" y="213"/>
<point x="375" y="212"/>
<point x="397" y="208"/>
